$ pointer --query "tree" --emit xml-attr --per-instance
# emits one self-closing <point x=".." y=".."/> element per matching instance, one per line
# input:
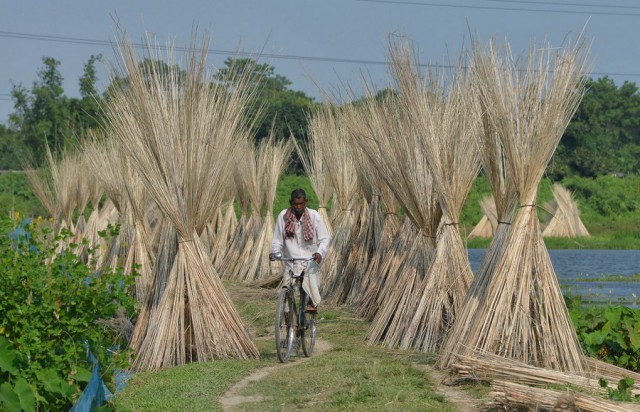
<point x="604" y="134"/>
<point x="278" y="107"/>
<point x="85" y="112"/>
<point x="41" y="115"/>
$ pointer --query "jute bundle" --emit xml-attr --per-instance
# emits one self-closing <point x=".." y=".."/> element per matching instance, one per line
<point x="226" y="227"/>
<point x="93" y="223"/>
<point x="373" y="281"/>
<point x="274" y="156"/>
<point x="81" y="185"/>
<point x="386" y="137"/>
<point x="103" y="154"/>
<point x="487" y="367"/>
<point x="247" y="177"/>
<point x="565" y="220"/>
<point x="270" y="162"/>
<point x="310" y="154"/>
<point x="329" y="133"/>
<point x="508" y="395"/>
<point x="445" y="119"/>
<point x="244" y="175"/>
<point x="140" y="247"/>
<point x="366" y="228"/>
<point x="521" y="312"/>
<point x="180" y="132"/>
<point x="487" y="225"/>
<point x="502" y="205"/>
<point x="597" y="369"/>
<point x="55" y="188"/>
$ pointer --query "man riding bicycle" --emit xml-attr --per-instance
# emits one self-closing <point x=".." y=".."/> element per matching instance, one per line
<point x="300" y="232"/>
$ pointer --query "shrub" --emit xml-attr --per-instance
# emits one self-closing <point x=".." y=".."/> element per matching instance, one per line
<point x="610" y="333"/>
<point x="49" y="323"/>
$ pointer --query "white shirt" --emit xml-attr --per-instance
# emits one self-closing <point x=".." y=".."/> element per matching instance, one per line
<point x="296" y="246"/>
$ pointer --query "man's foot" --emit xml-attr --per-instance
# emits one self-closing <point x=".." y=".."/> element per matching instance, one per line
<point x="311" y="308"/>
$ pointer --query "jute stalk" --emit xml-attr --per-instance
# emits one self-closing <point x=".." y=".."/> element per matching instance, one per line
<point x="180" y="131"/>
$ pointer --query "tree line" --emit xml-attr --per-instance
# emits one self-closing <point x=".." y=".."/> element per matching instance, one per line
<point x="603" y="137"/>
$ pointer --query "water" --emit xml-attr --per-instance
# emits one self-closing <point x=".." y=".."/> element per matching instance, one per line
<point x="570" y="265"/>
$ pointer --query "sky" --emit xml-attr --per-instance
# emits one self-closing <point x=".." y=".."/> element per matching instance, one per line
<point x="319" y="45"/>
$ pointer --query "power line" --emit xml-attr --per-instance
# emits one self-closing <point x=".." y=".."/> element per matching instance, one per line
<point x="95" y="42"/>
<point x="546" y="3"/>
<point x="462" y="6"/>
<point x="77" y="40"/>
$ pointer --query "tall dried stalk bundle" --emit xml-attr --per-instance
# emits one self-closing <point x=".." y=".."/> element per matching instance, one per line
<point x="180" y="133"/>
<point x="82" y="197"/>
<point x="488" y="367"/>
<point x="249" y="175"/>
<point x="520" y="311"/>
<point x="486" y="227"/>
<point x="221" y="238"/>
<point x="140" y="248"/>
<point x="612" y="373"/>
<point x="367" y="240"/>
<point x="388" y="139"/>
<point x="274" y="156"/>
<point x="565" y="220"/>
<point x="54" y="187"/>
<point x="310" y="154"/>
<point x="513" y="396"/>
<point x="92" y="226"/>
<point x="270" y="161"/>
<point x="501" y="206"/>
<point x="103" y="154"/>
<point x="244" y="175"/>
<point x="363" y="228"/>
<point x="382" y="249"/>
<point x="446" y="122"/>
<point x="328" y="132"/>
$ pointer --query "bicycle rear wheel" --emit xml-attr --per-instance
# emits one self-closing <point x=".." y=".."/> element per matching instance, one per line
<point x="308" y="329"/>
<point x="284" y="325"/>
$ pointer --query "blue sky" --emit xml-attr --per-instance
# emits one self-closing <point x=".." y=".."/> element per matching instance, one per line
<point x="325" y="44"/>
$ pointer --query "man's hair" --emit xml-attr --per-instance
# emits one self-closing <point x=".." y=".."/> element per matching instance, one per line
<point x="299" y="194"/>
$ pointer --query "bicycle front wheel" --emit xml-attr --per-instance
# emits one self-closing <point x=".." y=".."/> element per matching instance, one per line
<point x="308" y="329"/>
<point x="284" y="325"/>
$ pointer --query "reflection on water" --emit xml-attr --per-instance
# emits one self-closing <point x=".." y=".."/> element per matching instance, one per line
<point x="572" y="264"/>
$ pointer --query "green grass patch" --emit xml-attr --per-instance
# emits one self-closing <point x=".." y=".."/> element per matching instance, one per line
<point x="193" y="387"/>
<point x="353" y="375"/>
<point x="610" y="278"/>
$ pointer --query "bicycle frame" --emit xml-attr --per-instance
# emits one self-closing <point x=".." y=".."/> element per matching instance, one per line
<point x="296" y="329"/>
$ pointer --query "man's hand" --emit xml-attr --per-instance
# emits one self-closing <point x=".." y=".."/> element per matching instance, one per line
<point x="317" y="257"/>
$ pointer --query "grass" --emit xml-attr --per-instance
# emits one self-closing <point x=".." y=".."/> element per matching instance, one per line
<point x="611" y="278"/>
<point x="612" y="242"/>
<point x="351" y="376"/>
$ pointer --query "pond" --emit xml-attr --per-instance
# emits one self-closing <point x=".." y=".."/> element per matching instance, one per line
<point x="573" y="267"/>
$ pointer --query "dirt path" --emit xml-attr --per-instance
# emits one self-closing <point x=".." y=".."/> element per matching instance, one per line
<point x="231" y="398"/>
<point x="456" y="396"/>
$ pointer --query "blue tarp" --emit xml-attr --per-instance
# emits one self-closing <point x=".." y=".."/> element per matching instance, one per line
<point x="96" y="393"/>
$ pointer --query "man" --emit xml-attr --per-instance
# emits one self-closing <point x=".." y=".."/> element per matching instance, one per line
<point x="300" y="233"/>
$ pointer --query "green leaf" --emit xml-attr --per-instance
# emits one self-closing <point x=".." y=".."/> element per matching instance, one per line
<point x="84" y="375"/>
<point x="53" y="383"/>
<point x="8" y="356"/>
<point x="27" y="395"/>
<point x="634" y="334"/>
<point x="595" y="338"/>
<point x="9" y="398"/>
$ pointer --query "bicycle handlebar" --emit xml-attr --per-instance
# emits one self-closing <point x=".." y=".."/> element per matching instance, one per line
<point x="278" y="256"/>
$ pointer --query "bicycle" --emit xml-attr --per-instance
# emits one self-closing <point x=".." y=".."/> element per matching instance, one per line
<point x="291" y="333"/>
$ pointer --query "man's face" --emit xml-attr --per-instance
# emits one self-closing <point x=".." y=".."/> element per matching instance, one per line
<point x="298" y="205"/>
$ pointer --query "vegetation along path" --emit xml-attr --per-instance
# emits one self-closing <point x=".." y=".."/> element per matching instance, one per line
<point x="344" y="373"/>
